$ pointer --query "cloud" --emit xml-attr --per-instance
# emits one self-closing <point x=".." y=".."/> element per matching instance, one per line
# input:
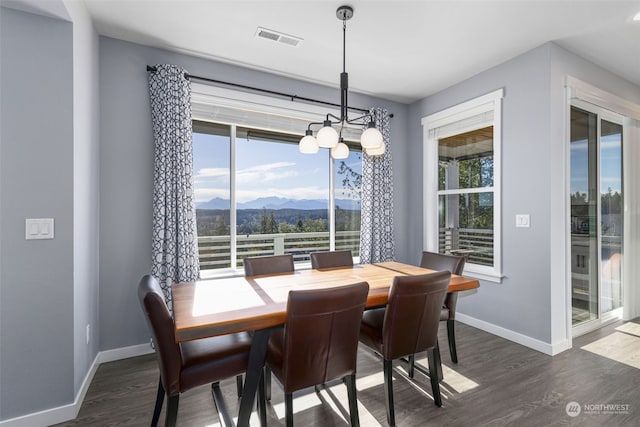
<point x="269" y="172"/>
<point x="212" y="172"/>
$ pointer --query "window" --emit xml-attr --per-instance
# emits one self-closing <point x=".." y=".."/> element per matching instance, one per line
<point x="462" y="193"/>
<point x="256" y="194"/>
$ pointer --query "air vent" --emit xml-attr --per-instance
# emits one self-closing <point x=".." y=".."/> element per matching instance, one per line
<point x="278" y="37"/>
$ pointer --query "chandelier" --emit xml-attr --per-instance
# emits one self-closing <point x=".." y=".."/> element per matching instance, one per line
<point x="327" y="137"/>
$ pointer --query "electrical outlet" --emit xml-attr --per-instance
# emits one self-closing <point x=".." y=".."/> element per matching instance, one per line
<point x="88" y="333"/>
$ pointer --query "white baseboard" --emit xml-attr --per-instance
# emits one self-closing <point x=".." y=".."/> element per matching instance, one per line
<point x="68" y="412"/>
<point x="541" y="346"/>
<point x="124" y="353"/>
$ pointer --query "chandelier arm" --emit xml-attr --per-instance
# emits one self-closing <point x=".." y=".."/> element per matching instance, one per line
<point x="313" y="124"/>
<point x="356" y="120"/>
<point x="339" y="119"/>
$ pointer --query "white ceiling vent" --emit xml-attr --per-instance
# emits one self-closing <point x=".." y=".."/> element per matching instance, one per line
<point x="278" y="37"/>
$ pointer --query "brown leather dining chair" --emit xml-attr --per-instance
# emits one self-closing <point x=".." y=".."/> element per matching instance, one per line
<point x="455" y="265"/>
<point x="263" y="265"/>
<point x="331" y="259"/>
<point x="186" y="365"/>
<point x="319" y="343"/>
<point x="406" y="326"/>
<point x="271" y="264"/>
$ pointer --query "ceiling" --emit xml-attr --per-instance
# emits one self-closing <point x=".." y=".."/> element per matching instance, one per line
<point x="397" y="50"/>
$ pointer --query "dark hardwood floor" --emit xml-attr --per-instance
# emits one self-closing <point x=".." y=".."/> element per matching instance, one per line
<point x="495" y="383"/>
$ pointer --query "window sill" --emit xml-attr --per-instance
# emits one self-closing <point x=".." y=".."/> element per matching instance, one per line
<point x="495" y="278"/>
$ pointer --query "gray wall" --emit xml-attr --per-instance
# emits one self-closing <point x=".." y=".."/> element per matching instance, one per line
<point x="126" y="161"/>
<point x="532" y="144"/>
<point x="36" y="181"/>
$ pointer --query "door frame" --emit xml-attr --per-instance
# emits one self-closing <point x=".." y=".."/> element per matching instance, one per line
<point x="630" y="111"/>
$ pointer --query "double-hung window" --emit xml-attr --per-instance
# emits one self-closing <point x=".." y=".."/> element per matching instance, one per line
<point x="256" y="194"/>
<point x="462" y="183"/>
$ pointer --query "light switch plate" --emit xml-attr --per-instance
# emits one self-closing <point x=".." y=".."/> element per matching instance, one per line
<point x="523" y="220"/>
<point x="38" y="228"/>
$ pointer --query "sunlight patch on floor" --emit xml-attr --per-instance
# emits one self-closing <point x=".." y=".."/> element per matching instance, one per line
<point x="300" y="403"/>
<point x="618" y="346"/>
<point x="630" y="328"/>
<point x="373" y="380"/>
<point x="451" y="379"/>
<point x="335" y="397"/>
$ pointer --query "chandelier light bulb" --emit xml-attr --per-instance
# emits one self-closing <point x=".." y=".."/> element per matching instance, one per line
<point x="371" y="138"/>
<point x="376" y="151"/>
<point x="308" y="144"/>
<point x="340" y="151"/>
<point x="327" y="137"/>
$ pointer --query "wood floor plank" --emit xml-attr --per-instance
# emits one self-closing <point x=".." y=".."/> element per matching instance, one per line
<point x="496" y="383"/>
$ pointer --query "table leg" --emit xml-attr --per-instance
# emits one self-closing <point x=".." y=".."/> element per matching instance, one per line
<point x="254" y="371"/>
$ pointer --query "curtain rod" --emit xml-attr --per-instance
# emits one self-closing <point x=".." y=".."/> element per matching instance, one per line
<point x="271" y="92"/>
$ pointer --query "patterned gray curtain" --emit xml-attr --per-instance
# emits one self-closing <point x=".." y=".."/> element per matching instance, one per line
<point x="174" y="244"/>
<point x="377" y="242"/>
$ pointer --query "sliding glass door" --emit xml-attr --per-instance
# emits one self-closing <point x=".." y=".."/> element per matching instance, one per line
<point x="596" y="215"/>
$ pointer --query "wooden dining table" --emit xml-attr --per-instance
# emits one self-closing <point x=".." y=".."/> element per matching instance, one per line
<point x="257" y="304"/>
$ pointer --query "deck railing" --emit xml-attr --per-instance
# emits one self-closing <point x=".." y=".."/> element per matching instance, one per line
<point x="215" y="251"/>
<point x="477" y="244"/>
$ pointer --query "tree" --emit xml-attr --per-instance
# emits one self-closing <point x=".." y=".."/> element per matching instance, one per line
<point x="352" y="179"/>
<point x="221" y="228"/>
<point x="268" y="223"/>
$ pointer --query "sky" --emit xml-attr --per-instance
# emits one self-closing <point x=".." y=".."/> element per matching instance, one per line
<point x="264" y="169"/>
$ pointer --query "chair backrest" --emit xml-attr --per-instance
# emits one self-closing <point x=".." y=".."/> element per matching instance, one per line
<point x="162" y="331"/>
<point x="452" y="263"/>
<point x="413" y="313"/>
<point x="331" y="259"/>
<point x="439" y="262"/>
<point x="321" y="334"/>
<point x="273" y="264"/>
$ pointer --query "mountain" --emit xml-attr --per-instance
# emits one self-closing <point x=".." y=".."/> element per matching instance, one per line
<point x="216" y="203"/>
<point x="282" y="203"/>
<point x="275" y="203"/>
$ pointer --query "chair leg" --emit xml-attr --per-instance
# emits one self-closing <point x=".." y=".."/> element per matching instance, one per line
<point x="262" y="403"/>
<point x="387" y="366"/>
<point x="239" y="385"/>
<point x="158" y="407"/>
<point x="221" y="406"/>
<point x="435" y="384"/>
<point x="172" y="411"/>
<point x="288" y="409"/>
<point x="452" y="340"/>
<point x="350" y="381"/>
<point x="412" y="365"/>
<point x="438" y="362"/>
<point x="267" y="383"/>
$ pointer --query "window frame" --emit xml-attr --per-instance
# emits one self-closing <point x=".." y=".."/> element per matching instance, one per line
<point x="289" y="117"/>
<point x="483" y="111"/>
